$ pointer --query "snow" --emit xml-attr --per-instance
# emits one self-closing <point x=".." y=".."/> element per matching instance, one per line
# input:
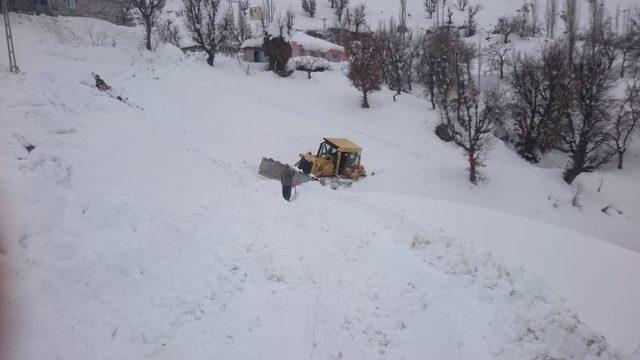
<point x="143" y="230"/>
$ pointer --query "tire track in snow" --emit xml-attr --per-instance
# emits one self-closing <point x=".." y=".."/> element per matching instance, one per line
<point x="286" y="107"/>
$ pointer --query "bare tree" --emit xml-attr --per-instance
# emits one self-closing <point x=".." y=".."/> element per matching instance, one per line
<point x="627" y="119"/>
<point x="539" y="91"/>
<point x="469" y="116"/>
<point x="498" y="57"/>
<point x="586" y="134"/>
<point x="471" y="25"/>
<point x="290" y="18"/>
<point x="244" y="31"/>
<point x="462" y="4"/>
<point x="268" y="11"/>
<point x="309" y="6"/>
<point x="364" y="71"/>
<point x="435" y="65"/>
<point x="232" y="41"/>
<point x="168" y="32"/>
<point x="570" y="18"/>
<point x="347" y="19"/>
<point x="534" y="28"/>
<point x="205" y="28"/>
<point x="396" y="59"/>
<point x="126" y="13"/>
<point x="527" y="98"/>
<point x="629" y="46"/>
<point x="430" y="7"/>
<point x="555" y="87"/>
<point x="340" y="7"/>
<point x="505" y="27"/>
<point x="550" y="16"/>
<point x="148" y="11"/>
<point x="449" y="17"/>
<point x="427" y="67"/>
<point x="359" y="17"/>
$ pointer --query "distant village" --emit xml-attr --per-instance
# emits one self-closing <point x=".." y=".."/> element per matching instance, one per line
<point x="251" y="49"/>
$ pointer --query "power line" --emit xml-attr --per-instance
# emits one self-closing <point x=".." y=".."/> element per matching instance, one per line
<point x="13" y="65"/>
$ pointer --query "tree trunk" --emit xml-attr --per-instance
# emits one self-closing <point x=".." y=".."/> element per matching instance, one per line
<point x="571" y="174"/>
<point x="210" y="58"/>
<point x="308" y="74"/>
<point x="622" y="65"/>
<point x="501" y="72"/>
<point x="473" y="168"/>
<point x="148" y="35"/>
<point x="365" y="100"/>
<point x="620" y="158"/>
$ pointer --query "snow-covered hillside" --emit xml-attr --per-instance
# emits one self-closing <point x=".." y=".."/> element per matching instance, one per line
<point x="381" y="10"/>
<point x="143" y="230"/>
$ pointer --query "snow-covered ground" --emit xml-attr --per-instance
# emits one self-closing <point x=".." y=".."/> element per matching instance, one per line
<point x="143" y="230"/>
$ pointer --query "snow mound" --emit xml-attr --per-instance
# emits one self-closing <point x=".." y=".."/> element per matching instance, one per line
<point x="142" y="229"/>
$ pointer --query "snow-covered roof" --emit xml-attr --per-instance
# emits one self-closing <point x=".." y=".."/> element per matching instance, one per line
<point x="313" y="43"/>
<point x="254" y="42"/>
<point x="306" y="41"/>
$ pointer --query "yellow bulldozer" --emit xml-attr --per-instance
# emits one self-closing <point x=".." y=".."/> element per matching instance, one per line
<point x="336" y="157"/>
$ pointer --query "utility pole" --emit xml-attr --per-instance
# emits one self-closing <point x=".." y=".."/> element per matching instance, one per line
<point x="13" y="66"/>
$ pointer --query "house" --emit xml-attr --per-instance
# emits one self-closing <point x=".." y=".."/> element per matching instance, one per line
<point x="301" y="45"/>
<point x="101" y="9"/>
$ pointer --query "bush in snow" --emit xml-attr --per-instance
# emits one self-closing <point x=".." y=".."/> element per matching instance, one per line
<point x="309" y="64"/>
<point x="278" y="49"/>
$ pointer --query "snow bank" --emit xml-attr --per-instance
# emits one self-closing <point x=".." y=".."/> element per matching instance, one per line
<point x="142" y="229"/>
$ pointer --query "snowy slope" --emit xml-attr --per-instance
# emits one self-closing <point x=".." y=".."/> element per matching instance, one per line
<point x="143" y="230"/>
<point x="381" y="10"/>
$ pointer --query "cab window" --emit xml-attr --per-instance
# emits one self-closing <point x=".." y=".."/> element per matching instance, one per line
<point x="327" y="149"/>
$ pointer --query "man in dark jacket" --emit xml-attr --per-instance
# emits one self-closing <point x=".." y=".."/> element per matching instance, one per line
<point x="101" y="84"/>
<point x="286" y="178"/>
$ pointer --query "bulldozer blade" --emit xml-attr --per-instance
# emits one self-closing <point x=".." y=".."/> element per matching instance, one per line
<point x="272" y="169"/>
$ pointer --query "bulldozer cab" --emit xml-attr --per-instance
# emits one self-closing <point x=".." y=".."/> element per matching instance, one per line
<point x="336" y="157"/>
<point x="342" y="153"/>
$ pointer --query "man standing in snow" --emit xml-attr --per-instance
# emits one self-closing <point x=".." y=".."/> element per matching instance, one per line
<point x="286" y="178"/>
